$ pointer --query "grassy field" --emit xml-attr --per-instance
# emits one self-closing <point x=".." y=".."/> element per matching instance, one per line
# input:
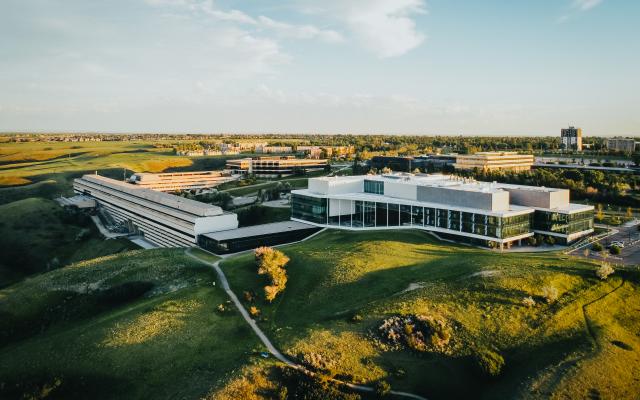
<point x="47" y="169"/>
<point x="38" y="235"/>
<point x="135" y="325"/>
<point x="584" y="344"/>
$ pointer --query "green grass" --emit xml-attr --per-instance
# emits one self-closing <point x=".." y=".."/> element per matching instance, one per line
<point x="135" y="325"/>
<point x="37" y="235"/>
<point x="339" y="274"/>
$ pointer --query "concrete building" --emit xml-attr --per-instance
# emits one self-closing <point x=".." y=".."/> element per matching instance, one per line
<point x="409" y="163"/>
<point x="571" y="138"/>
<point x="274" y="149"/>
<point x="163" y="219"/>
<point x="273" y="167"/>
<point x="622" y="145"/>
<point x="477" y="212"/>
<point x="494" y="160"/>
<point x="177" y="181"/>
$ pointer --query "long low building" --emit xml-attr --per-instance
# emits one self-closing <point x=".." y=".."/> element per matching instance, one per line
<point x="477" y="212"/>
<point x="177" y="181"/>
<point x="494" y="160"/>
<point x="273" y="167"/>
<point x="163" y="219"/>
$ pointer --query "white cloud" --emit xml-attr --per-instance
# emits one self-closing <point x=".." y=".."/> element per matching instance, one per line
<point x="384" y="27"/>
<point x="584" y="5"/>
<point x="300" y="31"/>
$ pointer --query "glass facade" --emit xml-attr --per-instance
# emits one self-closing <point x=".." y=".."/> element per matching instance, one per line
<point x="375" y="187"/>
<point x="312" y="209"/>
<point x="566" y="224"/>
<point x="376" y="214"/>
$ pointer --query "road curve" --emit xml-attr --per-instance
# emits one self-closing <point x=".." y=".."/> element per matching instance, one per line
<point x="267" y="343"/>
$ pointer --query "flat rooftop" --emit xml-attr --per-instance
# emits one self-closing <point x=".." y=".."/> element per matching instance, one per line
<point x="439" y="180"/>
<point x="165" y="199"/>
<point x="258" y="230"/>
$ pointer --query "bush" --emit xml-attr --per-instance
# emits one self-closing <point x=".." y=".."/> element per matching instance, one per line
<point x="271" y="262"/>
<point x="254" y="311"/>
<point x="550" y="240"/>
<point x="615" y="250"/>
<point x="528" y="302"/>
<point x="597" y="247"/>
<point x="604" y="271"/>
<point x="356" y="318"/>
<point x="489" y="362"/>
<point x="550" y="294"/>
<point x="382" y="388"/>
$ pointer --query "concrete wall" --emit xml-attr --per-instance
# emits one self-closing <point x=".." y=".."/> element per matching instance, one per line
<point x="535" y="198"/>
<point x="325" y="186"/>
<point x="222" y="222"/>
<point x="400" y="190"/>
<point x="491" y="201"/>
<point x="341" y="207"/>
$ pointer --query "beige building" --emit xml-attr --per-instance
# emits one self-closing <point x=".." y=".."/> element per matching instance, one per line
<point x="571" y="138"/>
<point x="177" y="181"/>
<point x="271" y="167"/>
<point x="491" y="161"/>
<point x="622" y="145"/>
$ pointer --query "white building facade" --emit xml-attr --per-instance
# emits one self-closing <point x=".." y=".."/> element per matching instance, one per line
<point x="479" y="212"/>
<point x="163" y="219"/>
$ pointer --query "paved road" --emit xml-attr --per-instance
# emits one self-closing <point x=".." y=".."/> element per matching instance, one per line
<point x="265" y="340"/>
<point x="630" y="254"/>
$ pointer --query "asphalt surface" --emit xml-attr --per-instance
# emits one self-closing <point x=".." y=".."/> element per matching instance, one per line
<point x="630" y="254"/>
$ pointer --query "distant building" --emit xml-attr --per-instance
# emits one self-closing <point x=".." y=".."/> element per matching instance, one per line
<point x="273" y="167"/>
<point x="330" y="151"/>
<point x="571" y="138"/>
<point x="163" y="219"/>
<point x="409" y="163"/>
<point x="622" y="145"/>
<point x="274" y="149"/>
<point x="176" y="181"/>
<point x="477" y="212"/>
<point x="494" y="160"/>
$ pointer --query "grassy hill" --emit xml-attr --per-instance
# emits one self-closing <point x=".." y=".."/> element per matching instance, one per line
<point x="38" y="235"/>
<point x="342" y="286"/>
<point x="140" y="324"/>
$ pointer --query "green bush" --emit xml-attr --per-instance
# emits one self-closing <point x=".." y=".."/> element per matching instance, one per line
<point x="382" y="388"/>
<point x="596" y="247"/>
<point x="615" y="250"/>
<point x="489" y="362"/>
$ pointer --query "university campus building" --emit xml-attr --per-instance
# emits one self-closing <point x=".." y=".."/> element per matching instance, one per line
<point x="273" y="167"/>
<point x="571" y="138"/>
<point x="177" y="181"/>
<point x="163" y="219"/>
<point x="476" y="212"/>
<point x="494" y="160"/>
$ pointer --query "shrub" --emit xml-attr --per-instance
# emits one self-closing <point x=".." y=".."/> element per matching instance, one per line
<point x="531" y="241"/>
<point x="254" y="311"/>
<point x="604" y="271"/>
<point x="489" y="362"/>
<point x="550" y="240"/>
<point x="550" y="294"/>
<point x="528" y="302"/>
<point x="597" y="247"/>
<point x="382" y="388"/>
<point x="271" y="262"/>
<point x="615" y="250"/>
<point x="356" y="318"/>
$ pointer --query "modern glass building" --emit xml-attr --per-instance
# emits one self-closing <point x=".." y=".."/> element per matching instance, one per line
<point x="479" y="212"/>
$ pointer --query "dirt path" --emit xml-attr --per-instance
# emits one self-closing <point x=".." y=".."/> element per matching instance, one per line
<point x="267" y="343"/>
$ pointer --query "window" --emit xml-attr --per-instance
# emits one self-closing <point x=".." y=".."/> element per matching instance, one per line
<point x="375" y="187"/>
<point x="312" y="209"/>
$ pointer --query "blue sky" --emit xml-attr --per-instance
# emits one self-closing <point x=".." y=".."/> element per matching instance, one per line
<point x="332" y="66"/>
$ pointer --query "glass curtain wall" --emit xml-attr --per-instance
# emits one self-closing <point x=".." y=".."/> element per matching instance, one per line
<point x="566" y="224"/>
<point x="312" y="209"/>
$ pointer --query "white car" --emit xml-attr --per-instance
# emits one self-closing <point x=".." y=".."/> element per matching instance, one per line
<point x="618" y="244"/>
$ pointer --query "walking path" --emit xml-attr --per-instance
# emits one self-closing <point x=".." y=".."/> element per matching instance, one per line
<point x="267" y="343"/>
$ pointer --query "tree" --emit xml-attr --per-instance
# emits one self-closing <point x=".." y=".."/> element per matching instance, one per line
<point x="615" y="250"/>
<point x="382" y="388"/>
<point x="629" y="213"/>
<point x="528" y="302"/>
<point x="271" y="263"/>
<point x="604" y="270"/>
<point x="596" y="247"/>
<point x="599" y="212"/>
<point x="489" y="362"/>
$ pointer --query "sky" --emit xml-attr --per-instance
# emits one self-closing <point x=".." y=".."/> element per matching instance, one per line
<point x="449" y="67"/>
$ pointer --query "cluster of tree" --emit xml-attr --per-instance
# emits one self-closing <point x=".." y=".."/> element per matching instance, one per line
<point x="613" y="188"/>
<point x="271" y="262"/>
<point x="217" y="198"/>
<point x="274" y="192"/>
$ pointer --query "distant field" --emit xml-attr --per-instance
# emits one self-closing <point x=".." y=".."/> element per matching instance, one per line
<point x="36" y="235"/>
<point x="136" y="325"/>
<point x="585" y="344"/>
<point x="41" y="169"/>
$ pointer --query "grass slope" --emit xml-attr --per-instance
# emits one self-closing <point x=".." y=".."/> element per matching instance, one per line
<point x="37" y="234"/>
<point x="548" y="349"/>
<point x="140" y="324"/>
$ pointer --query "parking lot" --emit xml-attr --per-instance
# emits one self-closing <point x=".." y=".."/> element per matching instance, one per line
<point x="629" y="235"/>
